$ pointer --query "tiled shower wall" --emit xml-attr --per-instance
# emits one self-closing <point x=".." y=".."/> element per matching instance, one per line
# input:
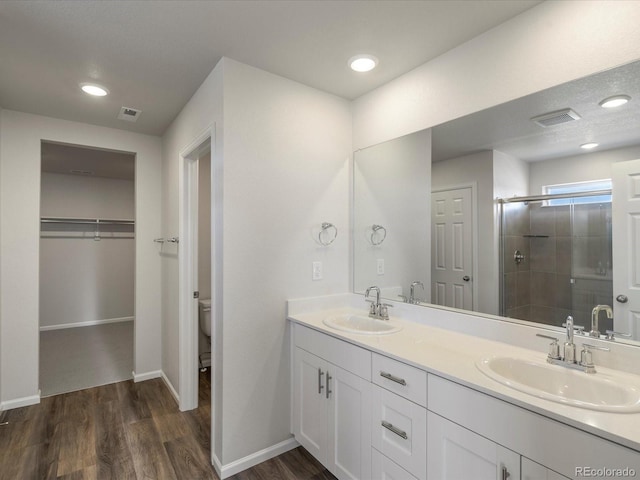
<point x="545" y="287"/>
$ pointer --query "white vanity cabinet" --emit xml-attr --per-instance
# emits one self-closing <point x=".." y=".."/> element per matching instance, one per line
<point x="455" y="453"/>
<point x="368" y="416"/>
<point x="332" y="406"/>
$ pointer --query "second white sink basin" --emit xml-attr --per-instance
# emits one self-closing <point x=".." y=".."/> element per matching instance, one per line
<point x="608" y="392"/>
<point x="353" y="323"/>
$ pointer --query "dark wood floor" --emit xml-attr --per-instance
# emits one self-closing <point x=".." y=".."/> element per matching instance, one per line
<point x="125" y="431"/>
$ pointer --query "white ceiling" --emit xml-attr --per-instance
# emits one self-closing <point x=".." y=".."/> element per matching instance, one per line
<point x="509" y="129"/>
<point x="153" y="55"/>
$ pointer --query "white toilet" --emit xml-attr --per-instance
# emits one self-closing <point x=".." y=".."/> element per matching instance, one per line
<point x="204" y="315"/>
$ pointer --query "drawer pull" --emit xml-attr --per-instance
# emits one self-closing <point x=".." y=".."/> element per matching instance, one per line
<point x="393" y="378"/>
<point x="395" y="430"/>
<point x="329" y="392"/>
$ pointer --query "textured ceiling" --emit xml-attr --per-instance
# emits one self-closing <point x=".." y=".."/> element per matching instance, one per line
<point x="153" y="55"/>
<point x="509" y="129"/>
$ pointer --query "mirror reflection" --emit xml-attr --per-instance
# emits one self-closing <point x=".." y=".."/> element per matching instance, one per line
<point x="492" y="212"/>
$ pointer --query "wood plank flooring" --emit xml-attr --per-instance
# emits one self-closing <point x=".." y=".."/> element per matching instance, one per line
<point x="126" y="431"/>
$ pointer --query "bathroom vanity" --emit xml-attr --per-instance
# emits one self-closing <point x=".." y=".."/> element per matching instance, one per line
<point x="414" y="404"/>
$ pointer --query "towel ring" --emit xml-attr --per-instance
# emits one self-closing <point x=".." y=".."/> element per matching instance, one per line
<point x="326" y="226"/>
<point x="374" y="231"/>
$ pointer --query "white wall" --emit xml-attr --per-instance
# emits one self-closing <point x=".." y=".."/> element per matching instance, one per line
<point x="287" y="150"/>
<point x="19" y="241"/>
<point x="579" y="168"/>
<point x="201" y="113"/>
<point x="99" y="275"/>
<point x="280" y="168"/>
<point x="391" y="188"/>
<point x="547" y="45"/>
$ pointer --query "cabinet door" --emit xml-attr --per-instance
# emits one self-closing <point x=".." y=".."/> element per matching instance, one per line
<point x="349" y="454"/>
<point x="310" y="403"/>
<point x="534" y="471"/>
<point x="454" y="453"/>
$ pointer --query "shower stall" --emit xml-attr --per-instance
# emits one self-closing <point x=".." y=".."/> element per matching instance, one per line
<point x="556" y="257"/>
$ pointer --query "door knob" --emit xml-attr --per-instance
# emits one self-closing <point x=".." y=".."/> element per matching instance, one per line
<point x="622" y="299"/>
<point x="466" y="278"/>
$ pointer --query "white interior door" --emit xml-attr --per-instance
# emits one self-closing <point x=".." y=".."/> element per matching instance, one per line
<point x="626" y="238"/>
<point x="452" y="248"/>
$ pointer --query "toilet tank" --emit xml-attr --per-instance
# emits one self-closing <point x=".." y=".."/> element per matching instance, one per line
<point x="205" y="316"/>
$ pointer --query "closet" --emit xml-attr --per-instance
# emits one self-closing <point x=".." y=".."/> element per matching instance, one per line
<point x="87" y="267"/>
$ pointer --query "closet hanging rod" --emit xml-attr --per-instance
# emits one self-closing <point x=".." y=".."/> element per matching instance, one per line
<point x="86" y="221"/>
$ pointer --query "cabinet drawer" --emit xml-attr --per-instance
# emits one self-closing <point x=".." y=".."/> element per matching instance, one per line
<point x="349" y="357"/>
<point x="399" y="431"/>
<point x="405" y="380"/>
<point x="383" y="468"/>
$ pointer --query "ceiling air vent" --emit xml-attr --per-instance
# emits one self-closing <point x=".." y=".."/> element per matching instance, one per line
<point x="556" y="118"/>
<point x="129" y="114"/>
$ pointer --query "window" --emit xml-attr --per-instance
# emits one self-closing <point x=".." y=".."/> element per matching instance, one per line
<point x="579" y="187"/>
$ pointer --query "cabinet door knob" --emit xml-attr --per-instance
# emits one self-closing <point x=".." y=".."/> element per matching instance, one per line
<point x="320" y="386"/>
<point x="505" y="473"/>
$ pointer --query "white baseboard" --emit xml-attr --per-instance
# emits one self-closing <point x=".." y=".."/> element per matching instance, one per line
<point x="20" y="402"/>
<point x="141" y="377"/>
<point x="89" y="323"/>
<point x="226" y="471"/>
<point x="169" y="385"/>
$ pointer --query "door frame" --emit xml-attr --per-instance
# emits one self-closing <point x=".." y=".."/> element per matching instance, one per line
<point x="474" y="231"/>
<point x="188" y="268"/>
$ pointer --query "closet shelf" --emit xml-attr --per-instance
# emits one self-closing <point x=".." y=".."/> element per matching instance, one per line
<point x="87" y="221"/>
<point x="94" y="228"/>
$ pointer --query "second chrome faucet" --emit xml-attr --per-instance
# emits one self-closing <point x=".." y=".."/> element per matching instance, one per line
<point x="568" y="357"/>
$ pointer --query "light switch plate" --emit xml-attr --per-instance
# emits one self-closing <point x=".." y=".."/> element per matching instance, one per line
<point x="316" y="271"/>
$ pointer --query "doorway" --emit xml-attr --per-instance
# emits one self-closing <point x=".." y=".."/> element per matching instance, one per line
<point x="196" y="280"/>
<point x="87" y="267"/>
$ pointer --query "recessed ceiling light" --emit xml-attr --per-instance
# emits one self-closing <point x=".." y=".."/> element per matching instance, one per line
<point x="589" y="146"/>
<point x="93" y="89"/>
<point x="363" y="63"/>
<point x="616" y="101"/>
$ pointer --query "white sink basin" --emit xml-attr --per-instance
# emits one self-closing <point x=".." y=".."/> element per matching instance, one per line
<point x="604" y="391"/>
<point x="353" y="323"/>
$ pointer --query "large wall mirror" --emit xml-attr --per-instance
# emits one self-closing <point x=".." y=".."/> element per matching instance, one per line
<point x="505" y="212"/>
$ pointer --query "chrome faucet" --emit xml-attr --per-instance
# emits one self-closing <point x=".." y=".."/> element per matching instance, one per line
<point x="377" y="310"/>
<point x="568" y="359"/>
<point x="569" y="346"/>
<point x="412" y="296"/>
<point x="594" y="318"/>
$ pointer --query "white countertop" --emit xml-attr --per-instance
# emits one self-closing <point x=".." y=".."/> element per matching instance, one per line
<point x="453" y="356"/>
